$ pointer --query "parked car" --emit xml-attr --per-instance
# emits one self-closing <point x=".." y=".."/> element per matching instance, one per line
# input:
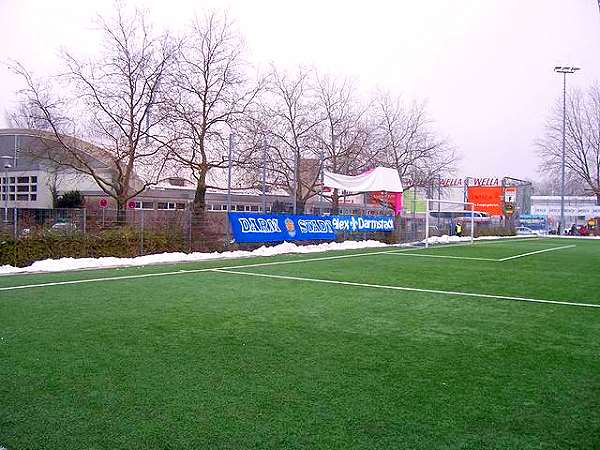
<point x="526" y="231"/>
<point x="63" y="227"/>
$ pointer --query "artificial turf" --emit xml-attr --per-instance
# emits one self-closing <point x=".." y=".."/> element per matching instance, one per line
<point x="211" y="360"/>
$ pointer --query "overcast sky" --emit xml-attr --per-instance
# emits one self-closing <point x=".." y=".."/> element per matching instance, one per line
<point x="484" y="67"/>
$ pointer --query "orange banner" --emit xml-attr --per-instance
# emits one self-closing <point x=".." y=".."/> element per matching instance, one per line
<point x="486" y="199"/>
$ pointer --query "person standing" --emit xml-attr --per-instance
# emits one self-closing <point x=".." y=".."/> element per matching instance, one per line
<point x="458" y="229"/>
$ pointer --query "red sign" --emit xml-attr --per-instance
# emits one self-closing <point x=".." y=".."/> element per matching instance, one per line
<point x="103" y="203"/>
<point x="486" y="198"/>
<point x="385" y="199"/>
<point x="131" y="204"/>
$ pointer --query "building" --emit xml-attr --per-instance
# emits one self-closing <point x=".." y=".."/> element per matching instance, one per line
<point x="31" y="181"/>
<point x="577" y="209"/>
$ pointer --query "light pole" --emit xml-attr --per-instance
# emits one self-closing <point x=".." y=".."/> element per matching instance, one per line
<point x="564" y="70"/>
<point x="5" y="188"/>
<point x="229" y="164"/>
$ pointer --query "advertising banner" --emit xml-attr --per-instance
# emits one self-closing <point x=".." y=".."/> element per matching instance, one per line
<point x="486" y="198"/>
<point x="248" y="227"/>
<point x="533" y="221"/>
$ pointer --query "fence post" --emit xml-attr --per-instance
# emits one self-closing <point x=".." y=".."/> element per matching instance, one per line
<point x="15" y="218"/>
<point x="142" y="233"/>
<point x="190" y="231"/>
<point x="84" y="212"/>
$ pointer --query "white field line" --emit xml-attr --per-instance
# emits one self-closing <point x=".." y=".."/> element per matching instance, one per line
<point x="536" y="252"/>
<point x="444" y="256"/>
<point x="180" y="272"/>
<point x="183" y="271"/>
<point x="409" y="289"/>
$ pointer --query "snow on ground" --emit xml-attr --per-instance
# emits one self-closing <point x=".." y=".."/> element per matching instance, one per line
<point x="66" y="264"/>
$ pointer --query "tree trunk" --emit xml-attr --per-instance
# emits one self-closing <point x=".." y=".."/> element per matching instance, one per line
<point x="597" y="198"/>
<point x="121" y="212"/>
<point x="335" y="202"/>
<point x="208" y="230"/>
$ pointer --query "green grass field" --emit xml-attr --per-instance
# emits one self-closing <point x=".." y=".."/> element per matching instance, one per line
<point x="455" y="347"/>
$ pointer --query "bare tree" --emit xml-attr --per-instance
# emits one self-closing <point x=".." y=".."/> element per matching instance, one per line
<point x="290" y="120"/>
<point x="344" y="136"/>
<point x="405" y="140"/>
<point x="108" y="100"/>
<point x="582" y="136"/>
<point x="209" y="92"/>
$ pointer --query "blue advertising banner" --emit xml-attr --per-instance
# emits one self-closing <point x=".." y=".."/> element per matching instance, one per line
<point x="249" y="227"/>
<point x="533" y="221"/>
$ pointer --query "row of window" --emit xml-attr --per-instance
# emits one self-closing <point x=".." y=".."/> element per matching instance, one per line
<point x="20" y="188"/>
<point x="23" y="189"/>
<point x="246" y="208"/>
<point x="20" y="197"/>
<point x="20" y="180"/>
<point x="159" y="205"/>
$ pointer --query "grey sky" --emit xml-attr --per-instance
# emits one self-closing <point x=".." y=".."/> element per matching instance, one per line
<point x="483" y="66"/>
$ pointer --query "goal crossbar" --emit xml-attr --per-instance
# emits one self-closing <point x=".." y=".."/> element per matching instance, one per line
<point x="429" y="201"/>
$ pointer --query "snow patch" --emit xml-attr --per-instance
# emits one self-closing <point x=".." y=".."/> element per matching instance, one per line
<point x="67" y="264"/>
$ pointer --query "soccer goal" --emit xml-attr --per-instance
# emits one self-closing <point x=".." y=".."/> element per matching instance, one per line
<point x="445" y="217"/>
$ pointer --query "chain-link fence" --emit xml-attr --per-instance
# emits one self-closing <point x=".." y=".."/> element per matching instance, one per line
<point x="30" y="234"/>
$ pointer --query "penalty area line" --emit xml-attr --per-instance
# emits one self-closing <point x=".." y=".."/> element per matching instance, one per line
<point x="536" y="252"/>
<point x="407" y="289"/>
<point x="444" y="256"/>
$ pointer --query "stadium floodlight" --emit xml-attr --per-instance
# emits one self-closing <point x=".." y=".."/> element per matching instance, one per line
<point x="564" y="70"/>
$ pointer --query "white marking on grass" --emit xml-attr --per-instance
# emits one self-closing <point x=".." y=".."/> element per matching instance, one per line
<point x="184" y="271"/>
<point x="536" y="252"/>
<point x="409" y="289"/>
<point x="444" y="256"/>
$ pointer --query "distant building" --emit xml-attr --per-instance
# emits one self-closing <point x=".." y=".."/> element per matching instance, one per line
<point x="28" y="180"/>
<point x="577" y="209"/>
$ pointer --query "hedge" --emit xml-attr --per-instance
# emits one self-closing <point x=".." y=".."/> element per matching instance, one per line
<point x="118" y="243"/>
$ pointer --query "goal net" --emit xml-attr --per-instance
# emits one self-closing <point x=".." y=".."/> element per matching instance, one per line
<point x="446" y="220"/>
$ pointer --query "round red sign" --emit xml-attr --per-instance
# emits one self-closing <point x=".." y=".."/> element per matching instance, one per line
<point x="131" y="204"/>
<point x="103" y="203"/>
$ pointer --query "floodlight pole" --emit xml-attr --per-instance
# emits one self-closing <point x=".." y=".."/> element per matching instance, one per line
<point x="564" y="71"/>
<point x="230" y="156"/>
<point x="264" y="176"/>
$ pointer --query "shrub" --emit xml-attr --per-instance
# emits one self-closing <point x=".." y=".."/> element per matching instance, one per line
<point x="124" y="243"/>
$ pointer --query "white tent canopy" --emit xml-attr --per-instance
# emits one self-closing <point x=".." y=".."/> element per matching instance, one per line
<point x="378" y="179"/>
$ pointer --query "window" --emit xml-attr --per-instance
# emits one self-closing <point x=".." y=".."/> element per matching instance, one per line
<point x="179" y="205"/>
<point x="33" y="187"/>
<point x="33" y="197"/>
<point x="21" y="188"/>
<point x="239" y="208"/>
<point x="144" y="205"/>
<point x="23" y="180"/>
<point x="254" y="208"/>
<point x="166" y="205"/>
<point x="22" y="197"/>
<point x="34" y="179"/>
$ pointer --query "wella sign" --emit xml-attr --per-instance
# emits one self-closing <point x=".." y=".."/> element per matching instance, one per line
<point x="471" y="181"/>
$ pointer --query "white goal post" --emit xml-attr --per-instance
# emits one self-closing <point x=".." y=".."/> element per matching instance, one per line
<point x="454" y="211"/>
